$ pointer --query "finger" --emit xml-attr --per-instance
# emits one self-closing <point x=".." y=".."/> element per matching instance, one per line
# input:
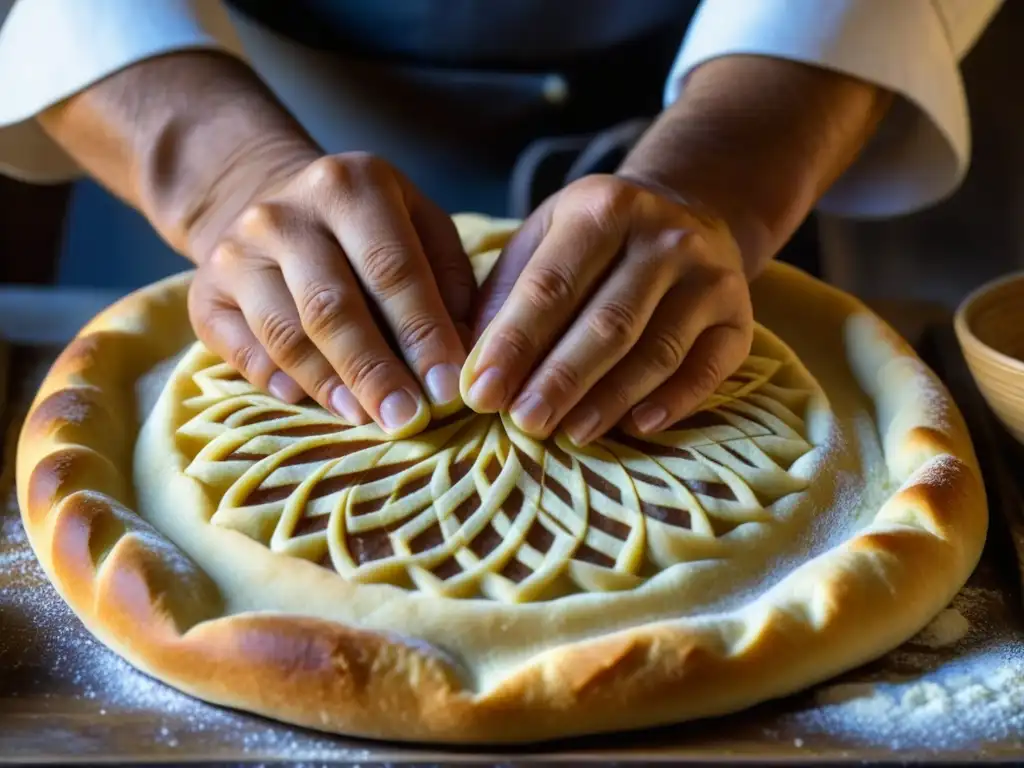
<point x="220" y="325"/>
<point x="333" y="312"/>
<point x="682" y="315"/>
<point x="270" y="313"/>
<point x="601" y="336"/>
<point x="449" y="264"/>
<point x="568" y="263"/>
<point x="714" y="356"/>
<point x="510" y="264"/>
<point x="375" y="231"/>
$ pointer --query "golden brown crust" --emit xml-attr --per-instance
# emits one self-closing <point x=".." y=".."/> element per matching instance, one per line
<point x="140" y="594"/>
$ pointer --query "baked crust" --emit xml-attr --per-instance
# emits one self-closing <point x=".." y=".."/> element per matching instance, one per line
<point x="876" y="570"/>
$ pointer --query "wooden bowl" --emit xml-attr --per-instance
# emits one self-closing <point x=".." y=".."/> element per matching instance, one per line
<point x="989" y="326"/>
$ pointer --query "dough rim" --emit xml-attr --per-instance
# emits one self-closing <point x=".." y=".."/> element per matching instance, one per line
<point x="832" y="613"/>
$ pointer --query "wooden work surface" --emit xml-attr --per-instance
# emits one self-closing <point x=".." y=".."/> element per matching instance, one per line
<point x="64" y="698"/>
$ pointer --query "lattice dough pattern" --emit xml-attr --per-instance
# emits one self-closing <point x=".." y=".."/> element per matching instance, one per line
<point x="475" y="508"/>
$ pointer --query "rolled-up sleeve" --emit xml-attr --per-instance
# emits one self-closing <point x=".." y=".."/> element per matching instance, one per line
<point x="921" y="151"/>
<point x="52" y="49"/>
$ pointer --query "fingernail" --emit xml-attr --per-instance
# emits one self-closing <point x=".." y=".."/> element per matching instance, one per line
<point x="443" y="383"/>
<point x="398" y="409"/>
<point x="344" y="403"/>
<point x="582" y="431"/>
<point x="531" y="413"/>
<point x="283" y="387"/>
<point x="488" y="391"/>
<point x="648" y="417"/>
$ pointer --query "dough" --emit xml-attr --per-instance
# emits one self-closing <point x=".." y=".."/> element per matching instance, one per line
<point x="470" y="584"/>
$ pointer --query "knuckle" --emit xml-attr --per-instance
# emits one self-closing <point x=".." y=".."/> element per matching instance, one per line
<point x="517" y="344"/>
<point x="562" y="377"/>
<point x="615" y="323"/>
<point x="551" y="285"/>
<point x="343" y="173"/>
<point x="606" y="200"/>
<point x="226" y="255"/>
<point x="731" y="282"/>
<point x="666" y="352"/>
<point x="674" y="239"/>
<point x="706" y="377"/>
<point x="243" y="359"/>
<point x="366" y="165"/>
<point x="322" y="307"/>
<point x="330" y="174"/>
<point x="618" y="397"/>
<point x="321" y="386"/>
<point x="366" y="372"/>
<point x="417" y="331"/>
<point x="283" y="338"/>
<point x="263" y="220"/>
<point x="386" y="268"/>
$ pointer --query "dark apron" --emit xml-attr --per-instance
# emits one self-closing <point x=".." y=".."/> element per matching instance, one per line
<point x="525" y="95"/>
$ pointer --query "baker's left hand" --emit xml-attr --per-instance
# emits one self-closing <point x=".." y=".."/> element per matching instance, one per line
<point x="616" y="303"/>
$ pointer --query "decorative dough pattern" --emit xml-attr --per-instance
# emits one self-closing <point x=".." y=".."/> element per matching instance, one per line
<point x="473" y="507"/>
<point x="179" y="573"/>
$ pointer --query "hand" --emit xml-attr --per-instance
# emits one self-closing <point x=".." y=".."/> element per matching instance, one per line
<point x="292" y="290"/>
<point x="616" y="303"/>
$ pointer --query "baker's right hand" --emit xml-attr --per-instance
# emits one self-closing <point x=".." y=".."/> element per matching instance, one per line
<point x="343" y="283"/>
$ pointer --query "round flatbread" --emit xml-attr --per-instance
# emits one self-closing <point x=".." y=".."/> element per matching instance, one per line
<point x="471" y="584"/>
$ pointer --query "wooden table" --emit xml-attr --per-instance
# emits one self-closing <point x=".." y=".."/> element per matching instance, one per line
<point x="64" y="698"/>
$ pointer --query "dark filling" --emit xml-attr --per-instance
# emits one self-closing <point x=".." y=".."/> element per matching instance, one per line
<point x="466" y="509"/>
<point x="669" y="515"/>
<point x="743" y="459"/>
<point x="430" y="538"/>
<point x="327" y="487"/>
<point x="259" y="418"/>
<point x="645" y="478"/>
<point x="485" y="542"/>
<point x="608" y="525"/>
<point x="369" y="545"/>
<point x="600" y="485"/>
<point x="308" y="525"/>
<point x="700" y="420"/>
<point x="588" y="554"/>
<point x="540" y="538"/>
<point x="447" y="568"/>
<point x="515" y="571"/>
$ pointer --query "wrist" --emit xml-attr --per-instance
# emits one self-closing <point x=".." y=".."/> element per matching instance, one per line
<point x="757" y="141"/>
<point x="188" y="139"/>
<point x="256" y="166"/>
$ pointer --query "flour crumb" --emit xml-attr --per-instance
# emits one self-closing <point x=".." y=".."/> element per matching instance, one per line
<point x="948" y="628"/>
<point x="958" y="685"/>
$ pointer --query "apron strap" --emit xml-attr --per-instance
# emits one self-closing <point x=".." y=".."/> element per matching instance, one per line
<point x="548" y="164"/>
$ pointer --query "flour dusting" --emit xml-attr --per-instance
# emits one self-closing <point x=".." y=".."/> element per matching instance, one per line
<point x="958" y="685"/>
<point x="44" y="644"/>
<point x="948" y="628"/>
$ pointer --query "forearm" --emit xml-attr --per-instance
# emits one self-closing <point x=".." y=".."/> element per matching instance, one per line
<point x="186" y="139"/>
<point x="757" y="141"/>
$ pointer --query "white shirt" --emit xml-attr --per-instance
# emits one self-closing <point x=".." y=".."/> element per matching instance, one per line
<point x="911" y="47"/>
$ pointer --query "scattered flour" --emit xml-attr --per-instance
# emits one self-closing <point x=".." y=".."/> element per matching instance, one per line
<point x="45" y="645"/>
<point x="960" y="682"/>
<point x="962" y="690"/>
<point x="948" y="628"/>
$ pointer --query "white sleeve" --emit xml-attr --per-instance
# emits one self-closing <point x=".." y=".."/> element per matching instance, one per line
<point x="912" y="47"/>
<point x="52" y="49"/>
